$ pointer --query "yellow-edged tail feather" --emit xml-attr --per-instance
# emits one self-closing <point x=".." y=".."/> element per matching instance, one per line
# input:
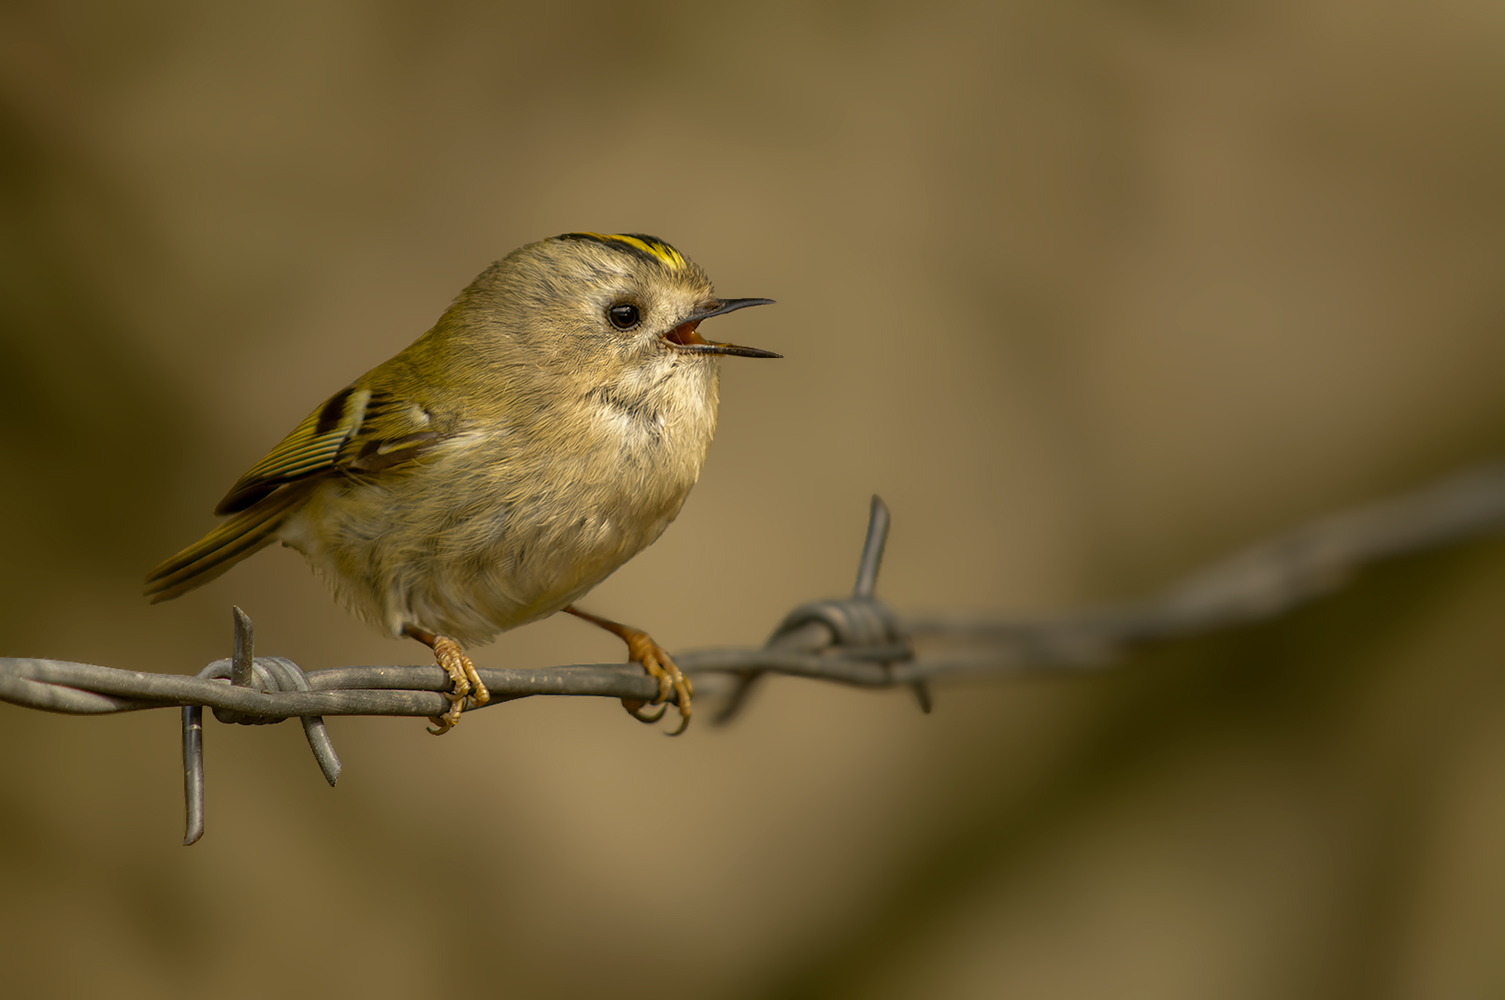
<point x="242" y="535"/>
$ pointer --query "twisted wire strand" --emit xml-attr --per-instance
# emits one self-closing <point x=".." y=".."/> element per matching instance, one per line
<point x="855" y="640"/>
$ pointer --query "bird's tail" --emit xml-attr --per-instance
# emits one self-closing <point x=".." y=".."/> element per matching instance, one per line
<point x="242" y="535"/>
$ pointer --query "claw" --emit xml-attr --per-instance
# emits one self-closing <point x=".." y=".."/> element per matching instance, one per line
<point x="635" y="709"/>
<point x="451" y="717"/>
<point x="467" y="684"/>
<point x="656" y="660"/>
<point x="660" y="666"/>
<point x="455" y="663"/>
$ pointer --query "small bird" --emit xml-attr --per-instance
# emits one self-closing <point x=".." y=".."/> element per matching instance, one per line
<point x="546" y="430"/>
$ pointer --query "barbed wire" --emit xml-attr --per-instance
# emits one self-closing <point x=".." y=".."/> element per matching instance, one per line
<point x="855" y="640"/>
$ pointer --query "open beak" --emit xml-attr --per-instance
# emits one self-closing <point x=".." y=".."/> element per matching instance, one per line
<point x="685" y="338"/>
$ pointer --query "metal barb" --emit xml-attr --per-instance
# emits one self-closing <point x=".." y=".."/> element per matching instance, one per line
<point x="242" y="672"/>
<point x="872" y="549"/>
<point x="867" y="579"/>
<point x="193" y="772"/>
<point x="288" y="676"/>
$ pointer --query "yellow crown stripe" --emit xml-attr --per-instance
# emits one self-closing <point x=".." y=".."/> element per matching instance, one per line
<point x="655" y="248"/>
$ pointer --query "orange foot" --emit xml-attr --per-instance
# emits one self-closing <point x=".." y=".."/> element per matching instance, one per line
<point x="660" y="666"/>
<point x="462" y="675"/>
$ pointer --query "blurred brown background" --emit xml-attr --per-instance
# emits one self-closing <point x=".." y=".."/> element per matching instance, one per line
<point x="1090" y="292"/>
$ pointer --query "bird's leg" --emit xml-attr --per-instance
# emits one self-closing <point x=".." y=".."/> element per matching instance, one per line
<point x="655" y="659"/>
<point x="462" y="674"/>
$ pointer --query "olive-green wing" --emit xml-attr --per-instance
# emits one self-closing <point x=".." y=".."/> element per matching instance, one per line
<point x="357" y="430"/>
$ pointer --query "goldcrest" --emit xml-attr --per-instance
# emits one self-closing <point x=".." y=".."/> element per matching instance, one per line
<point x="545" y="431"/>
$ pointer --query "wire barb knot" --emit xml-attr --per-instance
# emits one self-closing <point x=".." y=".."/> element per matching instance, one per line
<point x="861" y="628"/>
<point x="861" y="624"/>
<point x="267" y="674"/>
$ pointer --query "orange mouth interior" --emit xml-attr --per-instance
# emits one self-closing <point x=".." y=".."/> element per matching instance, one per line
<point x="685" y="334"/>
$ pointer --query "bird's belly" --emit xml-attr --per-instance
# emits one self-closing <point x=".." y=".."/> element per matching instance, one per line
<point x="483" y="565"/>
<point x="520" y="578"/>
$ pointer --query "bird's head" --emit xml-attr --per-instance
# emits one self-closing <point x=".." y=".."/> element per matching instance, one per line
<point x="593" y="302"/>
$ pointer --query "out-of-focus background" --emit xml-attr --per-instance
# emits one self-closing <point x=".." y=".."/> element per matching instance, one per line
<point x="1089" y="292"/>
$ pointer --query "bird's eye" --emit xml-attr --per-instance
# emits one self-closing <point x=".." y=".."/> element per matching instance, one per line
<point x="623" y="315"/>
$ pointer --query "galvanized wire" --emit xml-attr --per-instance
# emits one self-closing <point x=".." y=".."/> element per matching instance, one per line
<point x="855" y="640"/>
